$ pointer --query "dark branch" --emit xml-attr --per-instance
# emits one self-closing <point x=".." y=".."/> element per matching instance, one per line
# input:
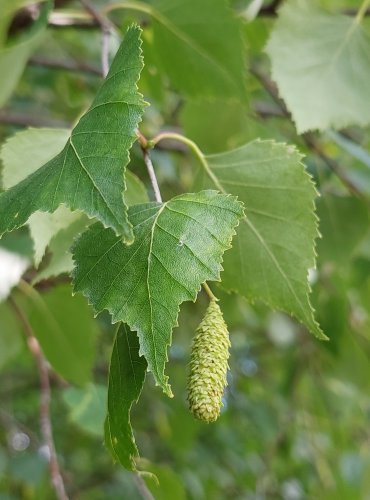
<point x="271" y="9"/>
<point x="28" y="120"/>
<point x="78" y="67"/>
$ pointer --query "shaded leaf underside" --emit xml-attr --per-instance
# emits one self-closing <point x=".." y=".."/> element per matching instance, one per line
<point x="126" y="379"/>
<point x="321" y="63"/>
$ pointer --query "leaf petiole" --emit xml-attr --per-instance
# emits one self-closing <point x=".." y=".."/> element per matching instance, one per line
<point x="195" y="149"/>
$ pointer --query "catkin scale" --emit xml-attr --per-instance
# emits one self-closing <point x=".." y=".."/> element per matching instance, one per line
<point x="208" y="365"/>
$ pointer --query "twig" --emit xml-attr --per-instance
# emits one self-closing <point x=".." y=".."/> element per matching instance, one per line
<point x="45" y="421"/>
<point x="354" y="12"/>
<point x="68" y="20"/>
<point x="65" y="65"/>
<point x="142" y="487"/>
<point x="28" y="120"/>
<point x="314" y="146"/>
<point x="145" y="146"/>
<point x="152" y="176"/>
<point x="106" y="26"/>
<point x="105" y="51"/>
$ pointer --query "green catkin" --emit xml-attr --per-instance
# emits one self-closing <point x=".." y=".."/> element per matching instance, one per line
<point x="208" y="365"/>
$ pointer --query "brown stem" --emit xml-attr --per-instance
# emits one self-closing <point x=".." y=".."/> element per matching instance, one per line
<point x="45" y="420"/>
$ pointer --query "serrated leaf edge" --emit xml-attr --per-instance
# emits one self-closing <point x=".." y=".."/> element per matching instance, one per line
<point x="290" y="149"/>
<point x="161" y="380"/>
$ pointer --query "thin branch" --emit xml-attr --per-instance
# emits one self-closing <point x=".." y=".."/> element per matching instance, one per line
<point x="194" y="148"/>
<point x="79" y="67"/>
<point x="145" y="146"/>
<point x="28" y="120"/>
<point x="152" y="176"/>
<point x="105" y="51"/>
<point x="315" y="147"/>
<point x="142" y="487"/>
<point x="68" y="20"/>
<point x="106" y="26"/>
<point x="45" y="420"/>
<point x="271" y="9"/>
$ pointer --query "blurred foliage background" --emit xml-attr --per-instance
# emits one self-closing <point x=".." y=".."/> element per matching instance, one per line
<point x="295" y="424"/>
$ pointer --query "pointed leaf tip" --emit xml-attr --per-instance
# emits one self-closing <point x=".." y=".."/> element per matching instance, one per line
<point x="97" y="149"/>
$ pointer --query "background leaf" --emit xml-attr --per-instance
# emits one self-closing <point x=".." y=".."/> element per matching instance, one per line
<point x="189" y="42"/>
<point x="87" y="407"/>
<point x="178" y="246"/>
<point x="66" y="330"/>
<point x="10" y="335"/>
<point x="274" y="247"/>
<point x="76" y="176"/>
<point x="14" y="56"/>
<point x="60" y="259"/>
<point x="321" y="63"/>
<point x="126" y="379"/>
<point x="21" y="155"/>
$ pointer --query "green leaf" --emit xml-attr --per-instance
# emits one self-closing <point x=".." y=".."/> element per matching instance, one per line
<point x="178" y="246"/>
<point x="61" y="258"/>
<point x="274" y="247"/>
<point x="87" y="407"/>
<point x="87" y="174"/>
<point x="13" y="57"/>
<point x="60" y="261"/>
<point x="126" y="379"/>
<point x="163" y="481"/>
<point x="136" y="192"/>
<point x="66" y="330"/>
<point x="199" y="46"/>
<point x="198" y="119"/>
<point x="26" y="151"/>
<point x="344" y="223"/>
<point x="321" y="63"/>
<point x="8" y="10"/>
<point x="21" y="155"/>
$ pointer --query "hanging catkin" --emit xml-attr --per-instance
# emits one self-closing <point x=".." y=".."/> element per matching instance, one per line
<point x="208" y="365"/>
